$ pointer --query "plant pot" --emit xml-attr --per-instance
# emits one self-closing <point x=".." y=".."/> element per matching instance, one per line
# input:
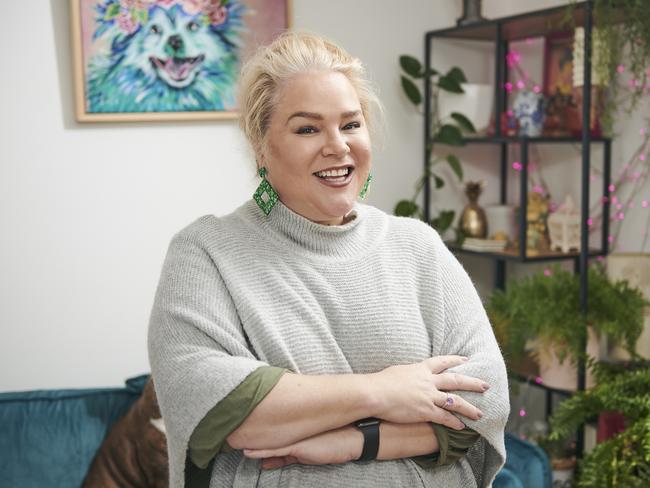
<point x="564" y="376"/>
<point x="476" y="104"/>
<point x="563" y="472"/>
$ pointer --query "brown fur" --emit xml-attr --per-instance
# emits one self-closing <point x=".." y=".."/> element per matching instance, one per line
<point x="134" y="453"/>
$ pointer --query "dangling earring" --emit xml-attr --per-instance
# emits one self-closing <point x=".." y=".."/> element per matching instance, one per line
<point x="265" y="196"/>
<point x="364" y="190"/>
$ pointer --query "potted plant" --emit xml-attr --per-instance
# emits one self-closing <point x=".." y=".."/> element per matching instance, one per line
<point x="624" y="458"/>
<point x="622" y="37"/>
<point x="444" y="130"/>
<point x="541" y="315"/>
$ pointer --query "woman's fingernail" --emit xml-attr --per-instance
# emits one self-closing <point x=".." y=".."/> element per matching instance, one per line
<point x="485" y="386"/>
<point x="464" y="358"/>
<point x="479" y="413"/>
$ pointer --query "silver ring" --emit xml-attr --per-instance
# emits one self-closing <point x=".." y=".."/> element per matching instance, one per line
<point x="449" y="401"/>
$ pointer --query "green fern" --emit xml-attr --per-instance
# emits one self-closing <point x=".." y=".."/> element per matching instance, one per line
<point x="623" y="460"/>
<point x="546" y="307"/>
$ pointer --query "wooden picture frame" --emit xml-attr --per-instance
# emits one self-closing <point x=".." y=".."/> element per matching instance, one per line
<point x="562" y="116"/>
<point x="162" y="60"/>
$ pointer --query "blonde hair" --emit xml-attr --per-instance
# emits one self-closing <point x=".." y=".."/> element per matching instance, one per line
<point x="289" y="54"/>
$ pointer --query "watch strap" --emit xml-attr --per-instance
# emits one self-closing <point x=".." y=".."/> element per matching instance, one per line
<point x="370" y="429"/>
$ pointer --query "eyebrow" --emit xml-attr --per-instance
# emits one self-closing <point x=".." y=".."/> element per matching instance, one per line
<point x="312" y="115"/>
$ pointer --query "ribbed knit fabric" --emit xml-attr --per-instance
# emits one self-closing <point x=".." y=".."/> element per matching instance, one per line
<point x="247" y="290"/>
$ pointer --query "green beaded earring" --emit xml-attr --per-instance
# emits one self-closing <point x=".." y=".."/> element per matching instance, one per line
<point x="364" y="190"/>
<point x="265" y="196"/>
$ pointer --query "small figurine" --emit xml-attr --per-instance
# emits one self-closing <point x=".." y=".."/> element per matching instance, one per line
<point x="536" y="215"/>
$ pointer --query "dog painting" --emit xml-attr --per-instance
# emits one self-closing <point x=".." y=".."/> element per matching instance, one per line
<point x="146" y="58"/>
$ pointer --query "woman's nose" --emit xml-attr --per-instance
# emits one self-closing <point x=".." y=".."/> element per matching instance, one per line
<point x="335" y="145"/>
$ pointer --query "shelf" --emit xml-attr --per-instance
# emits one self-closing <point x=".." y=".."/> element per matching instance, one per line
<point x="516" y="27"/>
<point x="531" y="380"/>
<point x="513" y="254"/>
<point x="532" y="140"/>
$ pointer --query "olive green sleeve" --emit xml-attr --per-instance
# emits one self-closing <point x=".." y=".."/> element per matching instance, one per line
<point x="453" y="444"/>
<point x="209" y="437"/>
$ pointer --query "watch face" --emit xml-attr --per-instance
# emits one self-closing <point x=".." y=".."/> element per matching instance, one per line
<point x="367" y="423"/>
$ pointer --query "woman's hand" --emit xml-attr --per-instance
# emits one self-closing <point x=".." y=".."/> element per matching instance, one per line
<point x="333" y="447"/>
<point x="418" y="392"/>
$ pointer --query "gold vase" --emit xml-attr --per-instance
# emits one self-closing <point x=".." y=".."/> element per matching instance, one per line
<point x="473" y="222"/>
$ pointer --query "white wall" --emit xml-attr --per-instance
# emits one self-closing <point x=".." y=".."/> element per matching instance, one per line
<point x="87" y="211"/>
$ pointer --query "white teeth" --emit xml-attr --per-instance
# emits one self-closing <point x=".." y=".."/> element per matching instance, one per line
<point x="336" y="172"/>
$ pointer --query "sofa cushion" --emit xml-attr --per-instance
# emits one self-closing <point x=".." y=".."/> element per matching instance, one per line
<point x="134" y="454"/>
<point x="49" y="437"/>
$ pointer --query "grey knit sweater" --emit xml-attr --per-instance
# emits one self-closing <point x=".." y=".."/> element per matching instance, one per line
<point x="247" y="290"/>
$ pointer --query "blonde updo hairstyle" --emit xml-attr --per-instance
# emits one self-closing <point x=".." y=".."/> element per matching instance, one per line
<point x="289" y="54"/>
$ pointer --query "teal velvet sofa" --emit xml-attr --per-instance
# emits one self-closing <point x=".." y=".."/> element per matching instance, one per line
<point x="48" y="438"/>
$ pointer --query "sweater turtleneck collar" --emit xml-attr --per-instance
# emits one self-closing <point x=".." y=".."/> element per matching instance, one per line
<point x="298" y="234"/>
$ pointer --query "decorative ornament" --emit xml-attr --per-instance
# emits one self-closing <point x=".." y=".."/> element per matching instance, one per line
<point x="528" y="108"/>
<point x="564" y="227"/>
<point x="473" y="221"/>
<point x="471" y="13"/>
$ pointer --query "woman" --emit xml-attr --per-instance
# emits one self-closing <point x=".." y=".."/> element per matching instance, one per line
<point x="279" y="327"/>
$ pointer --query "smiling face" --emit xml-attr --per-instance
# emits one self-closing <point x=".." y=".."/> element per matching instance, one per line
<point x="317" y="151"/>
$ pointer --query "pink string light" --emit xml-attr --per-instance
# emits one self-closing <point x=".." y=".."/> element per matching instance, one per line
<point x="517" y="166"/>
<point x="644" y="203"/>
<point x="548" y="272"/>
<point x="620" y="68"/>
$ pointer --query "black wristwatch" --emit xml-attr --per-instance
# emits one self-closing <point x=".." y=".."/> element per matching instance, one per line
<point x="370" y="428"/>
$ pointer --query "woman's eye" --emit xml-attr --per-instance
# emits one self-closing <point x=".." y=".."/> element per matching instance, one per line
<point x="192" y="26"/>
<point x="306" y="130"/>
<point x="154" y="29"/>
<point x="352" y="125"/>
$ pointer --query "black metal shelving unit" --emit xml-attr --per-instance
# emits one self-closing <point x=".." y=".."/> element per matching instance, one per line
<point x="500" y="32"/>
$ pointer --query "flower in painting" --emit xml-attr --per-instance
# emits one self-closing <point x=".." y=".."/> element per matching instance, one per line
<point x="126" y="23"/>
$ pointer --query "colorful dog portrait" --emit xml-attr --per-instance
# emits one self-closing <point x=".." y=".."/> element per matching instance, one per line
<point x="166" y="59"/>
